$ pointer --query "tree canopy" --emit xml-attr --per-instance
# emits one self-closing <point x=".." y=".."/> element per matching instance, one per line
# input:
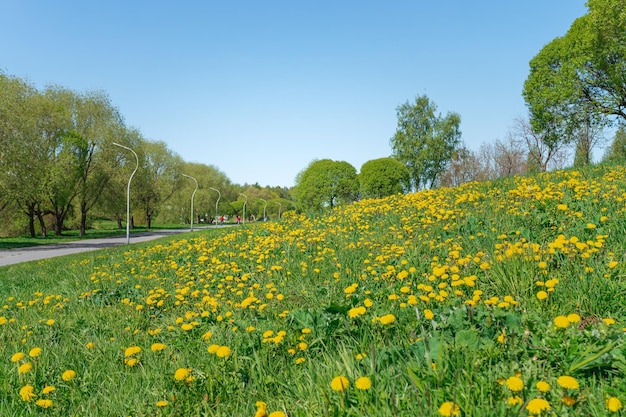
<point x="383" y="177"/>
<point x="326" y="183"/>
<point x="425" y="141"/>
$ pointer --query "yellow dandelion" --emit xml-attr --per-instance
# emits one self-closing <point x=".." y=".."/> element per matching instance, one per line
<point x="363" y="383"/>
<point x="34" y="352"/>
<point x="449" y="408"/>
<point x="429" y="315"/>
<point x="50" y="322"/>
<point x="90" y="345"/>
<point x="514" y="400"/>
<point x="48" y="389"/>
<point x="568" y="401"/>
<point x="162" y="403"/>
<point x="213" y="348"/>
<point x="339" y="383"/>
<point x="24" y="368"/>
<point x="515" y="384"/>
<point x="18" y="356"/>
<point x="207" y="336"/>
<point x="300" y="360"/>
<point x="157" y="347"/>
<point x="542" y="295"/>
<point x="561" y="322"/>
<point x="573" y="318"/>
<point x="502" y="338"/>
<point x="131" y="361"/>
<point x="613" y="404"/>
<point x="43" y="403"/>
<point x="608" y="321"/>
<point x="543" y="386"/>
<point x="27" y="393"/>
<point x="567" y="382"/>
<point x="68" y="375"/>
<point x="277" y="414"/>
<point x="223" y="352"/>
<point x="133" y="350"/>
<point x="537" y="405"/>
<point x="181" y="374"/>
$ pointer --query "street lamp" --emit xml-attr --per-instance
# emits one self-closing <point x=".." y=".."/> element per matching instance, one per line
<point x="219" y="195"/>
<point x="279" y="207"/>
<point x="192" y="194"/>
<point x="264" y="207"/>
<point x="128" y="192"/>
<point x="244" y="207"/>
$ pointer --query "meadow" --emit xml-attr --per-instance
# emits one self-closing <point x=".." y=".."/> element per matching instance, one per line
<point x="502" y="298"/>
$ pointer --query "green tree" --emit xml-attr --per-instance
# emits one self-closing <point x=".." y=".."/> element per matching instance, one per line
<point x="617" y="150"/>
<point x="383" y="177"/>
<point x="326" y="183"/>
<point x="424" y="141"/>
<point x="578" y="81"/>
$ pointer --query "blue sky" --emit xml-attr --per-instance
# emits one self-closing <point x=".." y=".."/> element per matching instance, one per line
<point x="260" y="89"/>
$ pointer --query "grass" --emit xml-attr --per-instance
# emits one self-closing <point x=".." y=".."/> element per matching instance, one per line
<point x="491" y="299"/>
<point x="100" y="229"/>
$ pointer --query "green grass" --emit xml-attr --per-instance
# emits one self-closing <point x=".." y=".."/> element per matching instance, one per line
<point x="467" y="296"/>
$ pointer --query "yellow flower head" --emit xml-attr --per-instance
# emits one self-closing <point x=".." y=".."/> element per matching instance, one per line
<point x="34" y="352"/>
<point x="27" y="393"/>
<point x="277" y="414"/>
<point x="162" y="403"/>
<point x="561" y="322"/>
<point x="449" y="409"/>
<point x="24" y="368"/>
<point x="133" y="350"/>
<point x="339" y="383"/>
<point x="567" y="382"/>
<point x="223" y="352"/>
<point x="68" y="375"/>
<point x="43" y="403"/>
<point x="542" y="295"/>
<point x="537" y="405"/>
<point x="613" y="404"/>
<point x="157" y="347"/>
<point x="363" y="383"/>
<point x="181" y="374"/>
<point x="514" y="400"/>
<point x="543" y="386"/>
<point x="515" y="384"/>
<point x="48" y="389"/>
<point x="18" y="356"/>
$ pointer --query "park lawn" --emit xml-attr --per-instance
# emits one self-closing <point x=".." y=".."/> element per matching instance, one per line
<point x="489" y="299"/>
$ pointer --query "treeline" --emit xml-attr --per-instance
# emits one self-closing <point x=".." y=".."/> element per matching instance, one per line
<point x="64" y="163"/>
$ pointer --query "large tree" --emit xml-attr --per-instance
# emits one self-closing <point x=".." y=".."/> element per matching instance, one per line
<point x="326" y="183"/>
<point x="578" y="81"/>
<point x="425" y="141"/>
<point x="383" y="177"/>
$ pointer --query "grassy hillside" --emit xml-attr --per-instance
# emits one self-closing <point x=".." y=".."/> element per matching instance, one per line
<point x="491" y="299"/>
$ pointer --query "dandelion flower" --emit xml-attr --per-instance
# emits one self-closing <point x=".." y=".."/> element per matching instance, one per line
<point x="24" y="368"/>
<point x="131" y="361"/>
<point x="363" y="383"/>
<point x="34" y="352"/>
<point x="48" y="389"/>
<point x="261" y="410"/>
<point x="543" y="386"/>
<point x="223" y="352"/>
<point x="162" y="403"/>
<point x="27" y="393"/>
<point x="568" y="401"/>
<point x="50" y="322"/>
<point x="449" y="409"/>
<point x="133" y="350"/>
<point x="277" y="414"/>
<point x="567" y="382"/>
<point x="90" y="345"/>
<point x="68" y="375"/>
<point x="573" y="318"/>
<point x="157" y="347"/>
<point x="181" y="374"/>
<point x="43" y="403"/>
<point x="514" y="400"/>
<point x="542" y="295"/>
<point x="213" y="348"/>
<point x="515" y="384"/>
<point x="608" y="321"/>
<point x="613" y="404"/>
<point x="339" y="383"/>
<point x="537" y="405"/>
<point x="561" y="322"/>
<point x="429" y="315"/>
<point x="18" y="356"/>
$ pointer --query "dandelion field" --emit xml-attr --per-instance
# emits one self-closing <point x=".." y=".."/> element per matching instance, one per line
<point x="491" y="299"/>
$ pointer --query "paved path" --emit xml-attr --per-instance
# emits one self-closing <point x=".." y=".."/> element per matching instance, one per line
<point x="34" y="253"/>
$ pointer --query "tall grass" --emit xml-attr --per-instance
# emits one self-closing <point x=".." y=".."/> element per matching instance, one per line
<point x="471" y="301"/>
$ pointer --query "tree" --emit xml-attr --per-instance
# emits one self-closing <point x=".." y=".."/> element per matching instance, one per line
<point x="465" y="166"/>
<point x="617" y="150"/>
<point x="425" y="142"/>
<point x="542" y="153"/>
<point x="326" y="183"/>
<point x="383" y="177"/>
<point x="579" y="80"/>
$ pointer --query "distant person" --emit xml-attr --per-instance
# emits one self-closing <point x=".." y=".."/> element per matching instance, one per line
<point x="238" y="219"/>
<point x="221" y="220"/>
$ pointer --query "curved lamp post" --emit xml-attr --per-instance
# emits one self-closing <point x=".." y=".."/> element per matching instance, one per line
<point x="128" y="192"/>
<point x="192" y="195"/>
<point x="244" y="207"/>
<point x="219" y="195"/>
<point x="264" y="207"/>
<point x="279" y="207"/>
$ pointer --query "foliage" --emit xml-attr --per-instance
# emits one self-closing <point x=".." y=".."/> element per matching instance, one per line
<point x="425" y="142"/>
<point x="383" y="177"/>
<point x="326" y="183"/>
<point x="498" y="298"/>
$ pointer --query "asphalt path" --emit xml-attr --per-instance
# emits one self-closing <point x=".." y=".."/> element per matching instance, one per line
<point x="35" y="253"/>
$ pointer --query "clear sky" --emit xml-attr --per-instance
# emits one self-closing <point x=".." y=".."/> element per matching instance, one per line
<point x="260" y="89"/>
